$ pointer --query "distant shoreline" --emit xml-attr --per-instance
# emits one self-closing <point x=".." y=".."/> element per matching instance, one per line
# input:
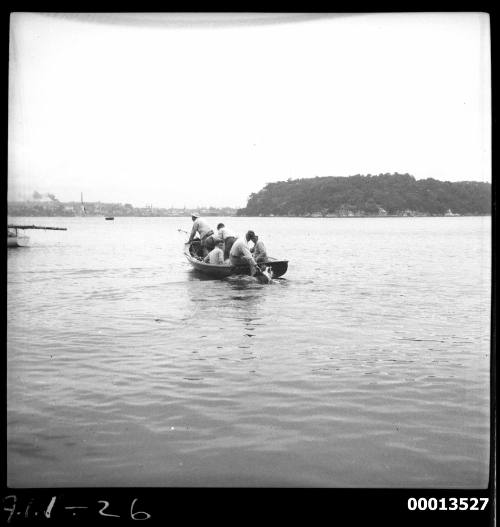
<point x="356" y="216"/>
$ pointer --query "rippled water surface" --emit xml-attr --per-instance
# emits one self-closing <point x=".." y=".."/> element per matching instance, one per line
<point x="367" y="365"/>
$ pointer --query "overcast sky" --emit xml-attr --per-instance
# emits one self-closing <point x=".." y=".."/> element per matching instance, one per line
<point x="199" y="110"/>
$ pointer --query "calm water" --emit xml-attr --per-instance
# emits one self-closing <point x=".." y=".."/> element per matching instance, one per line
<point x="367" y="365"/>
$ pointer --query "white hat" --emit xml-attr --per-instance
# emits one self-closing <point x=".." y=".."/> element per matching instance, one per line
<point x="194" y="215"/>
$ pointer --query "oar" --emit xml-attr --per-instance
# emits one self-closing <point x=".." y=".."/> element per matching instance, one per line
<point x="262" y="277"/>
<point x="261" y="274"/>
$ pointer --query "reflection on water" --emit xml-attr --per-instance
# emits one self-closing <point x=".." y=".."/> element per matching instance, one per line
<point x="365" y="365"/>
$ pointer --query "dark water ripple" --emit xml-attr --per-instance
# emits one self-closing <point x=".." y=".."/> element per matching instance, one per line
<point x="367" y="365"/>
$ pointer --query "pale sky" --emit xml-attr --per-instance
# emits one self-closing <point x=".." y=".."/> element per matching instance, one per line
<point x="202" y="110"/>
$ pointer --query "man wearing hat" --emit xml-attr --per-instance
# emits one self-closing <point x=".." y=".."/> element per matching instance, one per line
<point x="201" y="227"/>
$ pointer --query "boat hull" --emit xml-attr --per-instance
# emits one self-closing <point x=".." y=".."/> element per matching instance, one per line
<point x="17" y="241"/>
<point x="278" y="267"/>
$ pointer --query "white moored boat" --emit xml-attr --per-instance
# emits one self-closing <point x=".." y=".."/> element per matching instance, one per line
<point x="15" y="239"/>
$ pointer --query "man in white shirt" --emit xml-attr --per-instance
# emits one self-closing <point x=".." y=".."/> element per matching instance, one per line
<point x="201" y="227"/>
<point x="216" y="255"/>
<point x="228" y="237"/>
<point x="240" y="254"/>
<point x="259" y="249"/>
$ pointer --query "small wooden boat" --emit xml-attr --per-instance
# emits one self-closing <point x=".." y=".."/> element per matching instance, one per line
<point x="15" y="239"/>
<point x="109" y="218"/>
<point x="278" y="267"/>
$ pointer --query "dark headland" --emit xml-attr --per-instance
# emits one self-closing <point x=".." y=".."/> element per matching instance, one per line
<point x="381" y="195"/>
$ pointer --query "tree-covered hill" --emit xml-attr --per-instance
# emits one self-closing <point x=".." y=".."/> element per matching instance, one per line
<point x="392" y="194"/>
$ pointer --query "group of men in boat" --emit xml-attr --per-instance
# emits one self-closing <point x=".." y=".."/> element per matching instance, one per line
<point x="224" y="247"/>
